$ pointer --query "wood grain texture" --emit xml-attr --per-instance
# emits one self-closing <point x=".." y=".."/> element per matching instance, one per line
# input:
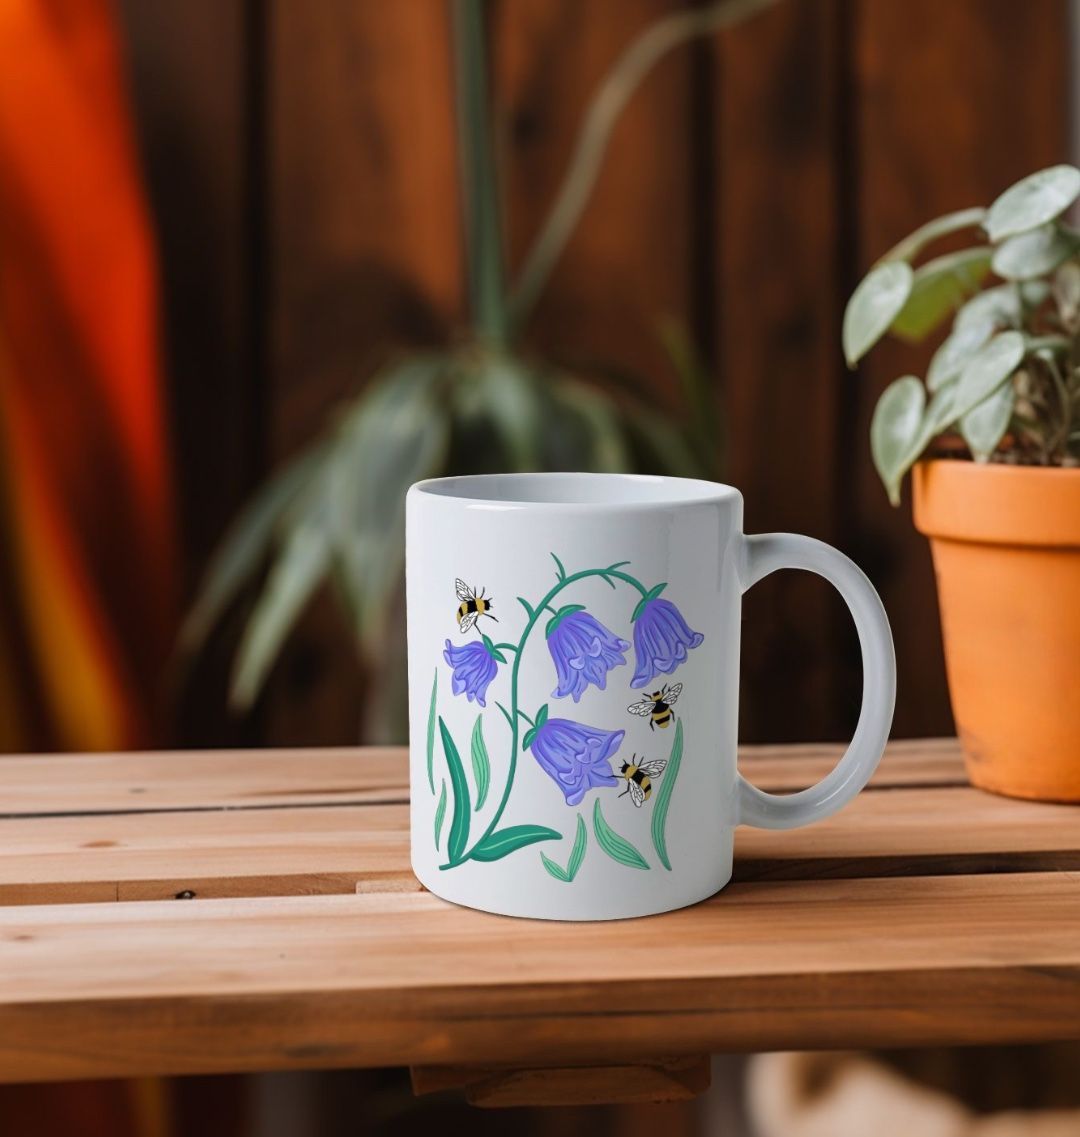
<point x="103" y="990"/>
<point x="165" y="781"/>
<point x="675" y="1079"/>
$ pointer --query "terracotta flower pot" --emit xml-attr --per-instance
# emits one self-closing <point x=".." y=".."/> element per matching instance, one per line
<point x="1006" y="548"/>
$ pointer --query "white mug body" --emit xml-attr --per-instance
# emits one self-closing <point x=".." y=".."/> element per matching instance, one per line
<point x="573" y="685"/>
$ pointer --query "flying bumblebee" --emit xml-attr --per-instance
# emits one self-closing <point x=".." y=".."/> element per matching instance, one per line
<point x="658" y="705"/>
<point x="639" y="778"/>
<point x="472" y="606"/>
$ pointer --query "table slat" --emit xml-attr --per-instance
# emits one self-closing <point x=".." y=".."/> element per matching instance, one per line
<point x="111" y="990"/>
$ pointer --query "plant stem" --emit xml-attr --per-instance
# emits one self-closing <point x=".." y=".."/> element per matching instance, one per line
<point x="514" y="709"/>
<point x="479" y="185"/>
<point x="603" y="112"/>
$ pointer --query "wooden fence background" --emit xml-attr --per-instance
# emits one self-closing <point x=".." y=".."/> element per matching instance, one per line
<point x="301" y="165"/>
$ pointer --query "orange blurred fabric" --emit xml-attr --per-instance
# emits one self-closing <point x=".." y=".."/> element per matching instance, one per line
<point x="87" y="581"/>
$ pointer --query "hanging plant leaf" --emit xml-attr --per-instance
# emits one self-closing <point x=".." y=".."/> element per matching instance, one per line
<point x="914" y="243"/>
<point x="459" y="819"/>
<point x="1035" y="253"/>
<point x="652" y="594"/>
<point x="873" y="307"/>
<point x="895" y="431"/>
<point x="1033" y="201"/>
<point x="955" y="351"/>
<point x="987" y="370"/>
<point x="939" y="287"/>
<point x="502" y="842"/>
<point x="616" y="846"/>
<point x="984" y="426"/>
<point x="492" y="650"/>
<point x="663" y="797"/>
<point x="481" y="764"/>
<point x="541" y="716"/>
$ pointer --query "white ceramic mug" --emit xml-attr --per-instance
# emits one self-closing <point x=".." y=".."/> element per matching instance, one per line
<point x="573" y="688"/>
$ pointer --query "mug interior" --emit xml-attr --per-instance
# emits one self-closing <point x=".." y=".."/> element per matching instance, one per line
<point x="575" y="489"/>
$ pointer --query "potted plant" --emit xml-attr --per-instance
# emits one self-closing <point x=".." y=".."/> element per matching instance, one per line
<point x="993" y="434"/>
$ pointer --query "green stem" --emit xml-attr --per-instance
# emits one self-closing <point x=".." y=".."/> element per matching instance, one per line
<point x="506" y="647"/>
<point x="526" y="718"/>
<point x="626" y="578"/>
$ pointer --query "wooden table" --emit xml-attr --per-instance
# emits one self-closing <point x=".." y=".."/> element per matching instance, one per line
<point x="233" y="911"/>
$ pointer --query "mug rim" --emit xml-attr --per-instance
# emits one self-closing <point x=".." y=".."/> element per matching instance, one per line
<point x="627" y="491"/>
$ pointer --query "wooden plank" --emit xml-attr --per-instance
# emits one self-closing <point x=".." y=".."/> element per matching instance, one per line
<point x="343" y="849"/>
<point x="934" y="129"/>
<point x="110" y="990"/>
<point x="251" y="779"/>
<point x="673" y="1079"/>
<point x="776" y="110"/>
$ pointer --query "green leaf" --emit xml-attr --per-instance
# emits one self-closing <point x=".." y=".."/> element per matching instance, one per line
<point x="481" y="764"/>
<point x="663" y="797"/>
<point x="895" y="431"/>
<point x="961" y="344"/>
<point x="1033" y="201"/>
<point x="492" y="650"/>
<point x="914" y="243"/>
<point x="1036" y="253"/>
<point x="984" y="426"/>
<point x="541" y="716"/>
<point x="499" y="844"/>
<point x="440" y="812"/>
<point x="431" y="732"/>
<point x="530" y="736"/>
<point x="246" y="543"/>
<point x="616" y="847"/>
<point x="479" y="184"/>
<point x="555" y="870"/>
<point x="557" y="619"/>
<point x="459" y="819"/>
<point x="294" y="576"/>
<point x="652" y="594"/>
<point x="560" y="571"/>
<point x="873" y="307"/>
<point x="527" y="606"/>
<point x="939" y="287"/>
<point x="987" y="370"/>
<point x="577" y="855"/>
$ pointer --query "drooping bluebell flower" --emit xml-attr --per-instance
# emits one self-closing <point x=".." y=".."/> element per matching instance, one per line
<point x="475" y="664"/>
<point x="575" y="756"/>
<point x="661" y="640"/>
<point x="583" y="651"/>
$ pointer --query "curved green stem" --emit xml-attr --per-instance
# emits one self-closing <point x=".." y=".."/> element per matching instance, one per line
<point x="515" y="711"/>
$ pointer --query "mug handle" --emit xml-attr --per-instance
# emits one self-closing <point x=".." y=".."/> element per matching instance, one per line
<point x="764" y="554"/>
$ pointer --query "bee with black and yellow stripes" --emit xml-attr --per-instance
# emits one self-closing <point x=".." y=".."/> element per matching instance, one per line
<point x="472" y="606"/>
<point x="658" y="706"/>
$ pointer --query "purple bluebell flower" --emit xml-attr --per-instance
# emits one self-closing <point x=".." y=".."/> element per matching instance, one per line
<point x="575" y="756"/>
<point x="661" y="640"/>
<point x="583" y="651"/>
<point x="475" y="664"/>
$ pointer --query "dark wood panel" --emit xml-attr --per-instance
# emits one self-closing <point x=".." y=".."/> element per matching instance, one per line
<point x="629" y="263"/>
<point x="778" y="236"/>
<point x="955" y="102"/>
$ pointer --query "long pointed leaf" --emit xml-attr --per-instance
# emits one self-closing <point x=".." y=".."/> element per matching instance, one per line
<point x="616" y="846"/>
<point x="459" y="818"/>
<point x="505" y="841"/>
<point x="296" y="573"/>
<point x="481" y="764"/>
<point x="663" y="797"/>
<point x="431" y="732"/>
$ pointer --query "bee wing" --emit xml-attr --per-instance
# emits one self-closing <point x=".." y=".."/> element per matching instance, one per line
<point x="673" y="694"/>
<point x="637" y="794"/>
<point x="653" y="769"/>
<point x="468" y="620"/>
<point x="641" y="708"/>
<point x="464" y="592"/>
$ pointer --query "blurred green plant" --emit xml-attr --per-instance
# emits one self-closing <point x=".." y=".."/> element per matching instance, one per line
<point x="336" y="511"/>
<point x="1006" y="379"/>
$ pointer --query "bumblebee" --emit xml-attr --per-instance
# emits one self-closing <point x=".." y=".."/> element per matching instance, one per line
<point x="658" y="705"/>
<point x="472" y="606"/>
<point x="639" y="778"/>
